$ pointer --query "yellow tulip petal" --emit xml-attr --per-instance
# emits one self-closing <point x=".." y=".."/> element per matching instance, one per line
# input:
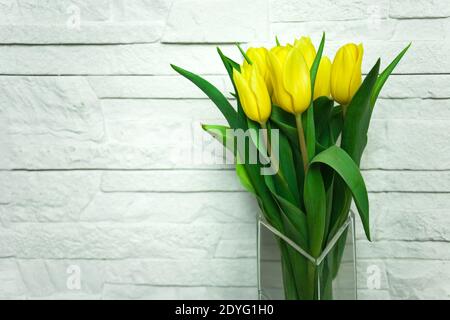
<point x="258" y="87"/>
<point x="357" y="75"/>
<point x="307" y="49"/>
<point x="297" y="81"/>
<point x="280" y="97"/>
<point x="322" y="84"/>
<point x="345" y="78"/>
<point x="246" y="96"/>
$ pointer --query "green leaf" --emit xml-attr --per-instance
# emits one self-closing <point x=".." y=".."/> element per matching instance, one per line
<point x="357" y="118"/>
<point x="277" y="41"/>
<point x="249" y="61"/>
<point x="268" y="206"/>
<point x="322" y="113"/>
<point x="228" y="63"/>
<point x="316" y="63"/>
<point x="244" y="178"/>
<point x="385" y="75"/>
<point x="297" y="228"/>
<point x="310" y="131"/>
<point x="315" y="203"/>
<point x="336" y="124"/>
<point x="287" y="167"/>
<point x="258" y="141"/>
<point x="214" y="94"/>
<point x="222" y="134"/>
<point x="340" y="161"/>
<point x="286" y="123"/>
<point x="229" y="66"/>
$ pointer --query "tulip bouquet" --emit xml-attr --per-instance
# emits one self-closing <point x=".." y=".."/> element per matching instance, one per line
<point x="321" y="112"/>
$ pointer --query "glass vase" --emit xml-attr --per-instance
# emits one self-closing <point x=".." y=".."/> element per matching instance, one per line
<point x="287" y="271"/>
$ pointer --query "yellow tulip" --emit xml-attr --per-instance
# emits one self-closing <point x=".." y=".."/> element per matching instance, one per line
<point x="253" y="93"/>
<point x="291" y="79"/>
<point x="346" y="73"/>
<point x="322" y="84"/>
<point x="258" y="57"/>
<point x="307" y="49"/>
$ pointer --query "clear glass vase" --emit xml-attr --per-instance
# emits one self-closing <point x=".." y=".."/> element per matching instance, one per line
<point x="286" y="271"/>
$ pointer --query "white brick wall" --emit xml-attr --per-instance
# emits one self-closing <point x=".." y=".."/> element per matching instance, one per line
<point x="95" y="128"/>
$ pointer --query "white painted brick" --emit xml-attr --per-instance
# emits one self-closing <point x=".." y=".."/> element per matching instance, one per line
<point x="225" y="180"/>
<point x="431" y="208"/>
<point x="90" y="33"/>
<point x="119" y="291"/>
<point x="52" y="12"/>
<point x="12" y="285"/>
<point x="419" y="279"/>
<point x="47" y="196"/>
<point x="407" y="181"/>
<point x="364" y="30"/>
<point x="398" y="138"/>
<point x="123" y="240"/>
<point x="217" y="21"/>
<point x="356" y="30"/>
<point x="419" y="9"/>
<point x="171" y="181"/>
<point x="366" y="294"/>
<point x="224" y="207"/>
<point x="411" y="109"/>
<point x="409" y="216"/>
<point x="109" y="59"/>
<point x="309" y="10"/>
<point x="154" y="59"/>
<point x="403" y="250"/>
<point x="173" y="87"/>
<point x="417" y="86"/>
<point x="403" y="144"/>
<point x="49" y="278"/>
<point x="140" y="10"/>
<point x="236" y="249"/>
<point x="66" y="108"/>
<point x="412" y="29"/>
<point x="162" y="233"/>
<point x="398" y="86"/>
<point x="192" y="272"/>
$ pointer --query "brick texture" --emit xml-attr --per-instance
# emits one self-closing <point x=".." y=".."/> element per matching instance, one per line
<point x="98" y="166"/>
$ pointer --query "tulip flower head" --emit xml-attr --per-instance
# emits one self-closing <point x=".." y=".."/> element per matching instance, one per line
<point x="258" y="57"/>
<point x="346" y="73"/>
<point x="307" y="49"/>
<point x="253" y="93"/>
<point x="322" y="84"/>
<point x="291" y="79"/>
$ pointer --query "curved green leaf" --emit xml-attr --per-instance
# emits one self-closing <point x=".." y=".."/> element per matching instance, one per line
<point x="310" y="131"/>
<point x="229" y="66"/>
<point x="252" y="176"/>
<point x="296" y="225"/>
<point x="357" y="118"/>
<point x="244" y="178"/>
<point x="214" y="94"/>
<point x="340" y="161"/>
<point x="322" y="113"/>
<point x="315" y="203"/>
<point x="385" y="75"/>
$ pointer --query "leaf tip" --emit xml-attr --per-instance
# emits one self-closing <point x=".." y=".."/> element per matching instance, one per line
<point x="174" y="67"/>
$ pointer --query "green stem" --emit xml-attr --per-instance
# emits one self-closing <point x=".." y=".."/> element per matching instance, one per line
<point x="344" y="110"/>
<point x="302" y="141"/>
